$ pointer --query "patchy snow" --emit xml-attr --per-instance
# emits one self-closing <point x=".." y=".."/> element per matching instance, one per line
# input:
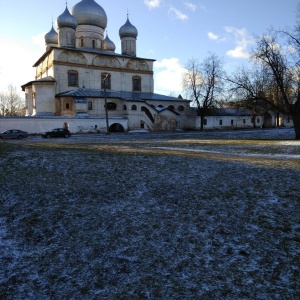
<point x="209" y="215"/>
<point x="283" y="156"/>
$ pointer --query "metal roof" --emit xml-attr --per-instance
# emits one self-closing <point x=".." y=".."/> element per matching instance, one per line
<point x="88" y="50"/>
<point x="229" y="112"/>
<point x="127" y="96"/>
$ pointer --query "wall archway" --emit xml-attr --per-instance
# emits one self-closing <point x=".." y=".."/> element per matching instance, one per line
<point x="116" y="127"/>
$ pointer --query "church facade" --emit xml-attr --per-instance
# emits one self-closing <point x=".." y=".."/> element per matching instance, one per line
<point x="81" y="76"/>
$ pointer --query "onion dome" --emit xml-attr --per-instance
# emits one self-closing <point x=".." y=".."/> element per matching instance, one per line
<point x="88" y="12"/>
<point x="108" y="44"/>
<point x="128" y="30"/>
<point x="51" y="37"/>
<point x="66" y="20"/>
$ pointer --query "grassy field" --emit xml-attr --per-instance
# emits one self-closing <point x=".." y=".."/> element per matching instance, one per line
<point x="210" y="215"/>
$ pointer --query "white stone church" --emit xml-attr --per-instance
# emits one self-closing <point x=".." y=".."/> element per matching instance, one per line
<point x="81" y="80"/>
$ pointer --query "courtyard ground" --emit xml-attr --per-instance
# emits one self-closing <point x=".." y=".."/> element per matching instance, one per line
<point x="198" y="215"/>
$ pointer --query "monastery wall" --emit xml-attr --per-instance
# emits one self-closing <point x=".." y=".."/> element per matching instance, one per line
<point x="36" y="125"/>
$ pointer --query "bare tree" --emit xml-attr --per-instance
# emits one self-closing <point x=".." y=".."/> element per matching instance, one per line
<point x="276" y="58"/>
<point x="3" y="103"/>
<point x="203" y="83"/>
<point x="251" y="89"/>
<point x="11" y="103"/>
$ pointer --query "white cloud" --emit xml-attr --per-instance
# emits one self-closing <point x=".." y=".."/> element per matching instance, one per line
<point x="242" y="41"/>
<point x="168" y="76"/>
<point x="39" y="39"/>
<point x="238" y="52"/>
<point x="177" y="14"/>
<point x="190" y="6"/>
<point x="152" y="3"/>
<point x="212" y="36"/>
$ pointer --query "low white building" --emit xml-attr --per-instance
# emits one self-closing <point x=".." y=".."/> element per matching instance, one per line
<point x="219" y="118"/>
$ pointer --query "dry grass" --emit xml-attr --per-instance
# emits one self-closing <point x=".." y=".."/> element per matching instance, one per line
<point x="173" y="216"/>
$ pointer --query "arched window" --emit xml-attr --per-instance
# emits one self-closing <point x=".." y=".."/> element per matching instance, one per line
<point x="180" y="108"/>
<point x="171" y="107"/>
<point x="124" y="107"/>
<point x="81" y="43"/>
<point x="133" y="107"/>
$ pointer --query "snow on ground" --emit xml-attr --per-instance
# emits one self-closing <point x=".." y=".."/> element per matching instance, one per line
<point x="209" y="215"/>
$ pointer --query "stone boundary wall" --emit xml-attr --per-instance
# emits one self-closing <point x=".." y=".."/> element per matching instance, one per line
<point x="41" y="124"/>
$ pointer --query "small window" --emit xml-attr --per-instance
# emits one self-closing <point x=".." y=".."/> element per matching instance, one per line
<point x="67" y="105"/>
<point x="220" y="122"/>
<point x="232" y="122"/>
<point x="133" y="107"/>
<point x="244" y="121"/>
<point x="81" y="43"/>
<point x="171" y="107"/>
<point x="90" y="105"/>
<point x="73" y="78"/>
<point x="136" y="84"/>
<point x="124" y="107"/>
<point x="105" y="81"/>
<point x="205" y="122"/>
<point x="180" y="108"/>
<point x="93" y="44"/>
<point x="258" y="120"/>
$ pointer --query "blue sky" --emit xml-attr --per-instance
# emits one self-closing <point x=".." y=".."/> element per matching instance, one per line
<point x="170" y="31"/>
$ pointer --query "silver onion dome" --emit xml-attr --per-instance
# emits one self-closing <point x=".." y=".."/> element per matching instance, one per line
<point x="108" y="44"/>
<point x="128" y="30"/>
<point x="66" y="20"/>
<point x="51" y="37"/>
<point x="88" y="12"/>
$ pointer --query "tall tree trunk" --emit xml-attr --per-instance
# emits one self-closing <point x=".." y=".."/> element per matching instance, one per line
<point x="296" y="120"/>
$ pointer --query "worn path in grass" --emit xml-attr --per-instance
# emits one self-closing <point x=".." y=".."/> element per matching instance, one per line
<point x="151" y="216"/>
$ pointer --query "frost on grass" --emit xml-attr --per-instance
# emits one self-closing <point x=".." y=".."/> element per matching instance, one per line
<point x="79" y="221"/>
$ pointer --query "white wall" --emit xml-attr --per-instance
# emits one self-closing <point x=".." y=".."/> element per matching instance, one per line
<point x="40" y="125"/>
<point x="219" y="122"/>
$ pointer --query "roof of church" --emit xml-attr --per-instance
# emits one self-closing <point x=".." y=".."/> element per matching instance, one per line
<point x="128" y="96"/>
<point x="88" y="50"/>
<point x="89" y="12"/>
<point x="40" y="80"/>
<point x="128" y="30"/>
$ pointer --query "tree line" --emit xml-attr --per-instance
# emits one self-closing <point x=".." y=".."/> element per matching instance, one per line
<point x="11" y="103"/>
<point x="271" y="82"/>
